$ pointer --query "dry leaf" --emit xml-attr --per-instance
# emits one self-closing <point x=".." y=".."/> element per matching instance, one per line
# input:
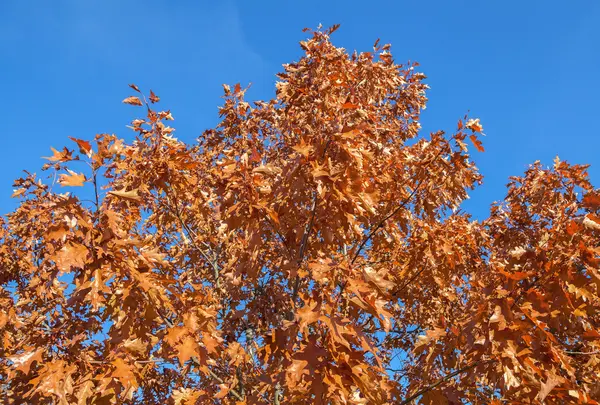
<point x="133" y="101"/>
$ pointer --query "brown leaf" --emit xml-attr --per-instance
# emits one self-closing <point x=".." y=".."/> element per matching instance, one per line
<point x="551" y="382"/>
<point x="267" y="169"/>
<point x="133" y="101"/>
<point x="135" y="346"/>
<point x="333" y="29"/>
<point x="590" y="221"/>
<point x="153" y="97"/>
<point x="128" y="195"/>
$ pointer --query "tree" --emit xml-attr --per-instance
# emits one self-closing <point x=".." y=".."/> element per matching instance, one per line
<point x="309" y="249"/>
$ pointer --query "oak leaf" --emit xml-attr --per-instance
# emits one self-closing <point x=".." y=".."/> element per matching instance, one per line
<point x="72" y="179"/>
<point x="84" y="146"/>
<point x="187" y="349"/>
<point x="126" y="194"/>
<point x="474" y="125"/>
<point x="24" y="361"/>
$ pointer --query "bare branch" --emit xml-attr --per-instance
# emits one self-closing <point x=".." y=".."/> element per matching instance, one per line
<point x="583" y="353"/>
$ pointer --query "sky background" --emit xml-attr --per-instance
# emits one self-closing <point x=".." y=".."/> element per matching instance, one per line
<point x="529" y="69"/>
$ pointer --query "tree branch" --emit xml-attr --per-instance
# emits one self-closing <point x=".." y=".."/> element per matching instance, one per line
<point x="307" y="231"/>
<point x="443" y="379"/>
<point x="193" y="236"/>
<point x="381" y="223"/>
<point x="194" y="360"/>
<point x="590" y="353"/>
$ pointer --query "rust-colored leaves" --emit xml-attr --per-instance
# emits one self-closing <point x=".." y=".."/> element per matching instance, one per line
<point x="308" y="249"/>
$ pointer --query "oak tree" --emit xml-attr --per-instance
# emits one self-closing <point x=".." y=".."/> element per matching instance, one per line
<point x="309" y="249"/>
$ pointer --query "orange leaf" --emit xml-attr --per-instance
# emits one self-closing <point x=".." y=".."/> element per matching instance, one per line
<point x="572" y="228"/>
<point x="223" y="391"/>
<point x="63" y="156"/>
<point x="72" y="179"/>
<point x="517" y="275"/>
<point x="308" y="314"/>
<point x="348" y="106"/>
<point x="84" y="146"/>
<point x="303" y="148"/>
<point x="187" y="349"/>
<point x="124" y="373"/>
<point x="18" y="192"/>
<point x="592" y="199"/>
<point x="477" y="143"/>
<point x="72" y="254"/>
<point x="273" y="215"/>
<point x="210" y="342"/>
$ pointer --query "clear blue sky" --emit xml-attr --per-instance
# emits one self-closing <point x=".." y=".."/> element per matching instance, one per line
<point x="529" y="69"/>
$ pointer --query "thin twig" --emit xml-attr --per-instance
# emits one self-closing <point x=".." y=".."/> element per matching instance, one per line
<point x="381" y="223"/>
<point x="220" y="381"/>
<point x="192" y="237"/>
<point x="442" y="380"/>
<point x="135" y="361"/>
<point x="194" y="360"/>
<point x="97" y="197"/>
<point x="590" y="353"/>
<point x="409" y="282"/>
<point x="277" y="396"/>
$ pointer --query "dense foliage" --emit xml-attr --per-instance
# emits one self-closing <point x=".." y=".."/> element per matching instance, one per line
<point x="309" y="249"/>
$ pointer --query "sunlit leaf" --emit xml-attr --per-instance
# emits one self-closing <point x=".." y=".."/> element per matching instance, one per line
<point x="133" y="101"/>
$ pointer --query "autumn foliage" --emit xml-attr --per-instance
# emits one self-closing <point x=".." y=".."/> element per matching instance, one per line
<point x="309" y="249"/>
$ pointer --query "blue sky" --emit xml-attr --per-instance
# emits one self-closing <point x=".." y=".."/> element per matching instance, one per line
<point x="528" y="69"/>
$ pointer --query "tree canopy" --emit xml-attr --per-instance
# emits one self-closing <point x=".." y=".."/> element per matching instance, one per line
<point x="309" y="249"/>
